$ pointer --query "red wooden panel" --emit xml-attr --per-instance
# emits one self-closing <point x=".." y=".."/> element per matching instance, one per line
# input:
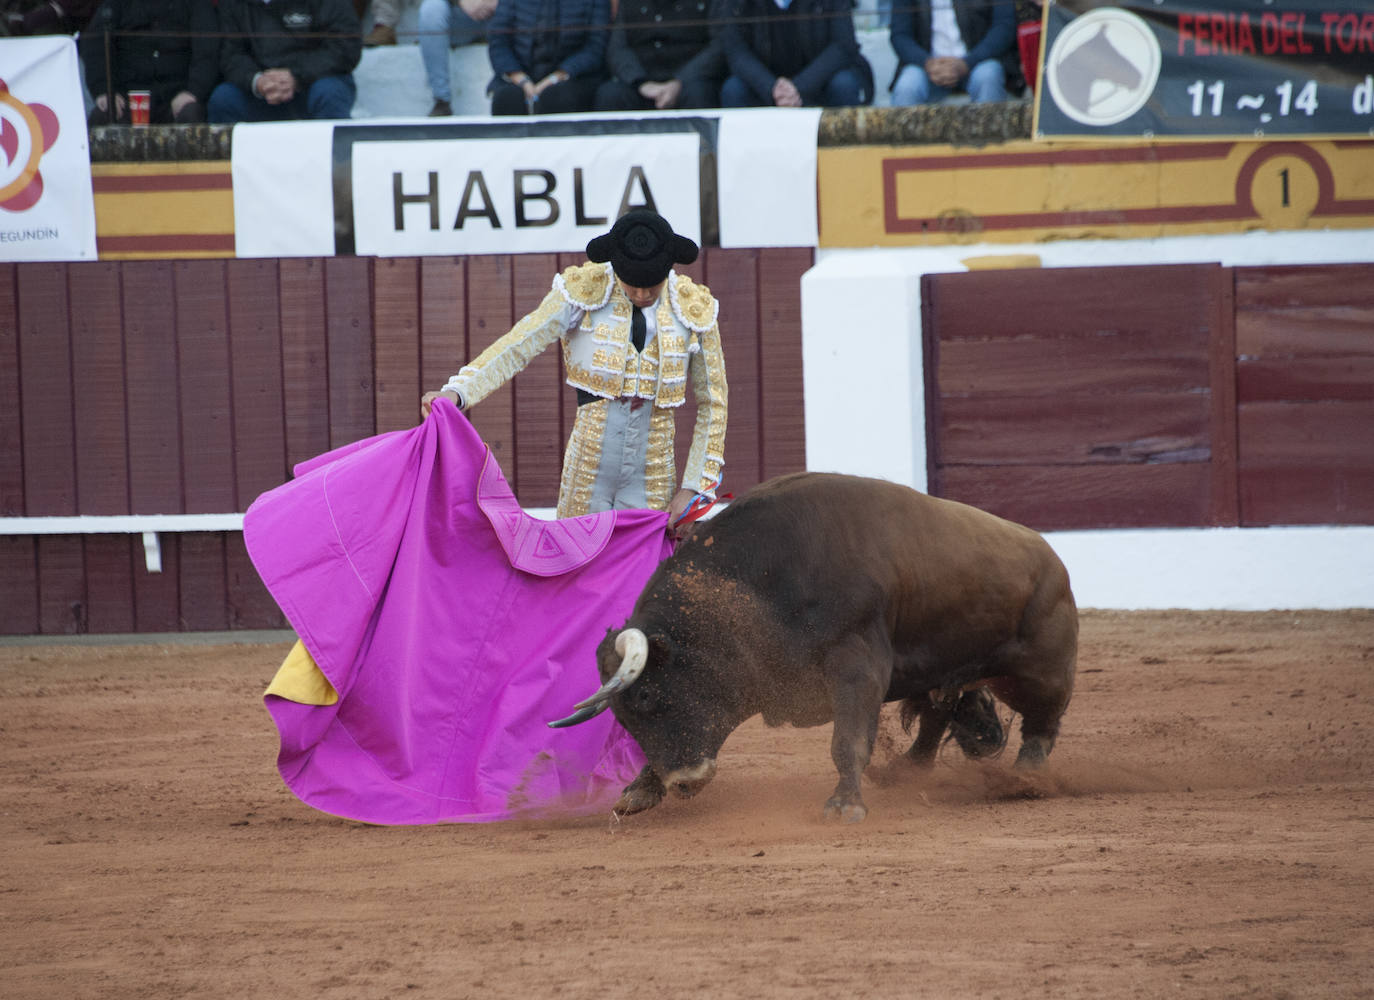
<point x="207" y="439"/>
<point x="1222" y="434"/>
<point x="11" y="426"/>
<point x="397" y="286"/>
<point x="1075" y="303"/>
<point x="443" y="322"/>
<point x="18" y="584"/>
<point x="255" y="352"/>
<point x="204" y="604"/>
<point x="102" y="451"/>
<point x="1313" y="435"/>
<point x="109" y="583"/>
<point x="150" y="364"/>
<point x="490" y="317"/>
<point x="538" y="441"/>
<point x="733" y="277"/>
<point x="1336" y="331"/>
<point x="61" y="585"/>
<point x="1307" y="495"/>
<point x="1307" y="463"/>
<point x="1343" y="286"/>
<point x="1135" y="428"/>
<point x="1306" y="379"/>
<point x="157" y="596"/>
<point x="1140" y="361"/>
<point x="783" y="421"/>
<point x="249" y="604"/>
<point x="305" y="359"/>
<point x="1085" y="496"/>
<point x="348" y="325"/>
<point x="45" y="365"/>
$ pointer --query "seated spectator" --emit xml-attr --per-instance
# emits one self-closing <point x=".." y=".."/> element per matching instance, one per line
<point x="793" y="54"/>
<point x="953" y="45"/>
<point x="284" y="61"/>
<point x="178" y="66"/>
<point x="46" y="17"/>
<point x="548" y="55"/>
<point x="663" y="54"/>
<point x="444" y="24"/>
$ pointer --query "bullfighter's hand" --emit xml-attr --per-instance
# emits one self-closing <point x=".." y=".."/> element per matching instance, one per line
<point x="427" y="401"/>
<point x="676" y="509"/>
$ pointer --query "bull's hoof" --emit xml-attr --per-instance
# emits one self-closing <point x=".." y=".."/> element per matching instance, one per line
<point x="1033" y="755"/>
<point x="848" y="812"/>
<point x="645" y="792"/>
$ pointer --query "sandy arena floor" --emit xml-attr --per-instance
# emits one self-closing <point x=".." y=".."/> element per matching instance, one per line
<point x="1204" y="830"/>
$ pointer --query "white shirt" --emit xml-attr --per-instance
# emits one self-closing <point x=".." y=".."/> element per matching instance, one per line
<point x="945" y="39"/>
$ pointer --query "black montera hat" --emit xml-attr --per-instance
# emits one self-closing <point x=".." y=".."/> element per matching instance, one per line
<point x="642" y="248"/>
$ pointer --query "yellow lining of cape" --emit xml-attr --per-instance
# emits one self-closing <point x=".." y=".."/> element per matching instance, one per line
<point x="300" y="679"/>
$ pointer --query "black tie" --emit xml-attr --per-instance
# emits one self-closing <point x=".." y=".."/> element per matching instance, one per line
<point x="638" y="330"/>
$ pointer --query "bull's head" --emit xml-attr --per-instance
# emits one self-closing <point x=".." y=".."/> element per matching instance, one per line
<point x="632" y="647"/>
<point x="676" y="711"/>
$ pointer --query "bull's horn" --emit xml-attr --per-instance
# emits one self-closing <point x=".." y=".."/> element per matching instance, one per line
<point x="580" y="716"/>
<point x="633" y="647"/>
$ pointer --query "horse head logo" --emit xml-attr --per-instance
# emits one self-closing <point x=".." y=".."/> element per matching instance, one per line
<point x="1103" y="66"/>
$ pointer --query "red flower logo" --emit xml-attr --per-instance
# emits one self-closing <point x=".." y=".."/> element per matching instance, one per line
<point x="27" y="131"/>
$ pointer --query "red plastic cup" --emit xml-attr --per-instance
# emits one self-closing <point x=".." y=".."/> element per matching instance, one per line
<point x="139" y="102"/>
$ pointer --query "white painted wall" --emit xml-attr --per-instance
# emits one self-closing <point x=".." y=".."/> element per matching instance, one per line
<point x="865" y="414"/>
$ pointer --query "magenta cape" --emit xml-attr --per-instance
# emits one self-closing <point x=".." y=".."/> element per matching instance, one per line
<point x="452" y="625"/>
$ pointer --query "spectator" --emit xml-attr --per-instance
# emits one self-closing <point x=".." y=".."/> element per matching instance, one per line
<point x="945" y="46"/>
<point x="46" y="17"/>
<point x="178" y="67"/>
<point x="548" y="55"/>
<point x="285" y="61"/>
<point x="793" y="53"/>
<point x="444" y="24"/>
<point x="663" y="54"/>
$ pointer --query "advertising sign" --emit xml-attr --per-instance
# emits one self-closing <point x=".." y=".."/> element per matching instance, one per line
<point x="47" y="211"/>
<point x="1253" y="68"/>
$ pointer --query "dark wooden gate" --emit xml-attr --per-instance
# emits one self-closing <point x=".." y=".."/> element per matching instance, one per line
<point x="1154" y="396"/>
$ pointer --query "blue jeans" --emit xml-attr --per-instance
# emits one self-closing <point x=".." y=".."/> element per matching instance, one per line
<point x="987" y="81"/>
<point x="443" y="24"/>
<point x="327" y="97"/>
<point x="844" y="89"/>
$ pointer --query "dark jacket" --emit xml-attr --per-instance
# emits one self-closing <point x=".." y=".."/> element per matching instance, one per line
<point x="184" y="56"/>
<point x="988" y="28"/>
<point x="809" y="43"/>
<point x="537" y="37"/>
<point x="284" y="34"/>
<point x="665" y="40"/>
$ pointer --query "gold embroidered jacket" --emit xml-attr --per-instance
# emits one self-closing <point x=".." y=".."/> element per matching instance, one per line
<point x="588" y="311"/>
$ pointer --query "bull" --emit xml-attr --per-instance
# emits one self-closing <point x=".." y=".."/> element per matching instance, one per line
<point x="818" y="597"/>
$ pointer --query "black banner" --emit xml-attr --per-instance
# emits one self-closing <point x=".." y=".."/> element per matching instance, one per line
<point x="1134" y="68"/>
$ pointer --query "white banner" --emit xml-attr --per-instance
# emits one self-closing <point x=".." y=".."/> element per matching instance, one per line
<point x="523" y="186"/>
<point x="47" y="210"/>
<point x="531" y="194"/>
